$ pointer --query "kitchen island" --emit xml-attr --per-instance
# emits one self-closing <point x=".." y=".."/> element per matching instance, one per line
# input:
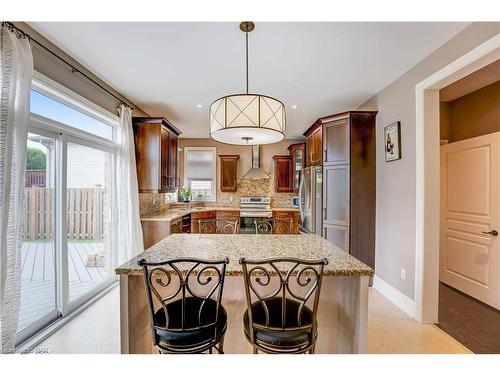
<point x="343" y="307"/>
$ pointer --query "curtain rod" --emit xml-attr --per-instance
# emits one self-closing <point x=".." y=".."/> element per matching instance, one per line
<point x="74" y="69"/>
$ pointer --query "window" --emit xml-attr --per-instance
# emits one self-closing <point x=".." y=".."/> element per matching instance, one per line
<point x="54" y="110"/>
<point x="200" y="172"/>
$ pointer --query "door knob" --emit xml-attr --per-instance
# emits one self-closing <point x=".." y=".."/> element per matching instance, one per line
<point x="492" y="232"/>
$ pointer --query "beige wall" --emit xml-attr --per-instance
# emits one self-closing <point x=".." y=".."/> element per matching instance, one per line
<point x="472" y="115"/>
<point x="56" y="70"/>
<point x="396" y="181"/>
<point x="244" y="164"/>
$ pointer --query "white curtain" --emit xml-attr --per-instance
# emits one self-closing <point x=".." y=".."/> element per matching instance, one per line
<point x="127" y="197"/>
<point x="16" y="69"/>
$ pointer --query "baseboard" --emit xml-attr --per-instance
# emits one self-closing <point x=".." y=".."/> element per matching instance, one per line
<point x="401" y="300"/>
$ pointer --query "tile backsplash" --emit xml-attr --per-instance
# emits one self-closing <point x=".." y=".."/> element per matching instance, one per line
<point x="253" y="188"/>
<point x="151" y="204"/>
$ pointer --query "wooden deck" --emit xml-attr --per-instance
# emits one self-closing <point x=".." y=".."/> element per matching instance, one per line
<point x="38" y="276"/>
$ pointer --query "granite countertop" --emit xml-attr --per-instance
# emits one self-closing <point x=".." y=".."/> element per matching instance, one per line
<point x="250" y="246"/>
<point x="176" y="213"/>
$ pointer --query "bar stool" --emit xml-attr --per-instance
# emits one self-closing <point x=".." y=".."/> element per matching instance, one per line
<point x="273" y="226"/>
<point x="281" y="315"/>
<point x="184" y="302"/>
<point x="221" y="226"/>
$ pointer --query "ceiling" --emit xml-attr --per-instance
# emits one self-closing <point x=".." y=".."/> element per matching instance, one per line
<point x="474" y="81"/>
<point x="169" y="68"/>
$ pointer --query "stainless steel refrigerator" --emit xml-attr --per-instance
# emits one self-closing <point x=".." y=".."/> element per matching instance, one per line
<point x="310" y="200"/>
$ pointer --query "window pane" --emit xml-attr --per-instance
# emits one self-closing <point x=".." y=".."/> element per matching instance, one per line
<point x="201" y="189"/>
<point x="199" y="164"/>
<point x="88" y="207"/>
<point x="38" y="257"/>
<point x="50" y="108"/>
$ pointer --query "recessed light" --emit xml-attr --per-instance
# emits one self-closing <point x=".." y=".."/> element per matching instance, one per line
<point x="199" y="105"/>
<point x="294" y="106"/>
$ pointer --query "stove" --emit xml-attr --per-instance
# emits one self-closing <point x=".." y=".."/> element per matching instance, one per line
<point x="253" y="210"/>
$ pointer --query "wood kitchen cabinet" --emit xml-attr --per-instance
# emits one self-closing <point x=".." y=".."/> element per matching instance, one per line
<point x="349" y="182"/>
<point x="196" y="216"/>
<point x="288" y="215"/>
<point x="156" y="154"/>
<point x="283" y="169"/>
<point x="297" y="152"/>
<point x="228" y="172"/>
<point x="314" y="144"/>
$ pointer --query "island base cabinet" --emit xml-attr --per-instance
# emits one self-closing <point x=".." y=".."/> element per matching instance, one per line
<point x="342" y="316"/>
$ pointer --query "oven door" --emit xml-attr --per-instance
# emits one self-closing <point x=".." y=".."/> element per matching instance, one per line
<point x="247" y="225"/>
<point x="248" y="219"/>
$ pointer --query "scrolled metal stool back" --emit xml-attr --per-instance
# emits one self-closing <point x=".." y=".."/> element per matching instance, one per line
<point x="295" y="280"/>
<point x="165" y="282"/>
<point x="221" y="226"/>
<point x="274" y="226"/>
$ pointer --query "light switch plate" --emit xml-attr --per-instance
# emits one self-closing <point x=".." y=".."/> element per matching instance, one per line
<point x="403" y="273"/>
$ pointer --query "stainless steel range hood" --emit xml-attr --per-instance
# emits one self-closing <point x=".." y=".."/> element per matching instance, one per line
<point x="256" y="172"/>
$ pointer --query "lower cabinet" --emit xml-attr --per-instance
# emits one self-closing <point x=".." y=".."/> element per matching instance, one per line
<point x="154" y="231"/>
<point x="201" y="215"/>
<point x="338" y="235"/>
<point x="288" y="215"/>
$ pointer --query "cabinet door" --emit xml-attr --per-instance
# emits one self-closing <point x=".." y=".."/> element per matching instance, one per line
<point x="337" y="235"/>
<point x="173" y="153"/>
<point x="336" y="135"/>
<point x="287" y="216"/>
<point x="309" y="150"/>
<point x="228" y="172"/>
<point x="164" y="154"/>
<point x="318" y="145"/>
<point x="147" y="157"/>
<point x="336" y="195"/>
<point x="283" y="174"/>
<point x="197" y="216"/>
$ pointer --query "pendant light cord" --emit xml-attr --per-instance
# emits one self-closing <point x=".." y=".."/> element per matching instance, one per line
<point x="246" y="37"/>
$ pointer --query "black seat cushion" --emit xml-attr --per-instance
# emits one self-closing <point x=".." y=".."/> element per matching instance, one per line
<point x="166" y="338"/>
<point x="282" y="337"/>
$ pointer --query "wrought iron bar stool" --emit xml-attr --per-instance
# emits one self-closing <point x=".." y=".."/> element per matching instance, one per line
<point x="281" y="315"/>
<point x="273" y="226"/>
<point x="221" y="226"/>
<point x="184" y="302"/>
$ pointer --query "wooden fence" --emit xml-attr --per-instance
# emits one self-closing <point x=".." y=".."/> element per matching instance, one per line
<point x="84" y="217"/>
<point x="35" y="178"/>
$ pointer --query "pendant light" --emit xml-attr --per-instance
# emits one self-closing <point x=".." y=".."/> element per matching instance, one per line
<point x="247" y="119"/>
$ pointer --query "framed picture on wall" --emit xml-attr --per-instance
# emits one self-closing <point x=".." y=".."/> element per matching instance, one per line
<point x="392" y="140"/>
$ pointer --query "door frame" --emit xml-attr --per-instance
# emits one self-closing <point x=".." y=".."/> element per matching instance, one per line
<point x="428" y="173"/>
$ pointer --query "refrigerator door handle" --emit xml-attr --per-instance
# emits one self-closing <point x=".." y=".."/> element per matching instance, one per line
<point x="301" y="192"/>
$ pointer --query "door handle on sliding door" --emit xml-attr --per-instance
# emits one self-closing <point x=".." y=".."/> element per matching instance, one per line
<point x="492" y="232"/>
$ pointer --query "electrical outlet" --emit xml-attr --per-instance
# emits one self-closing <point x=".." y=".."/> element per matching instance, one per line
<point x="403" y="273"/>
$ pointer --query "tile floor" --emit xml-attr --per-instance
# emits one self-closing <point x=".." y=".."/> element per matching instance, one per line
<point x="96" y="330"/>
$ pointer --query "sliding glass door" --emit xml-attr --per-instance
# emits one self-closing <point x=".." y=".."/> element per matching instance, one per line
<point x="68" y="237"/>
<point x="39" y="255"/>
<point x="88" y="241"/>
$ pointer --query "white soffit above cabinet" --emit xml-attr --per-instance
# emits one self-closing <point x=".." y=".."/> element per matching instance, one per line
<point x="169" y="68"/>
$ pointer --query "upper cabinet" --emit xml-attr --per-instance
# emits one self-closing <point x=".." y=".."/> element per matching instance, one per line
<point x="297" y="152"/>
<point x="156" y="154"/>
<point x="314" y="144"/>
<point x="228" y="171"/>
<point x="283" y="182"/>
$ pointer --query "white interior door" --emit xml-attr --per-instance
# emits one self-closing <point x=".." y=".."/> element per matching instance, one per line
<point x="470" y="217"/>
